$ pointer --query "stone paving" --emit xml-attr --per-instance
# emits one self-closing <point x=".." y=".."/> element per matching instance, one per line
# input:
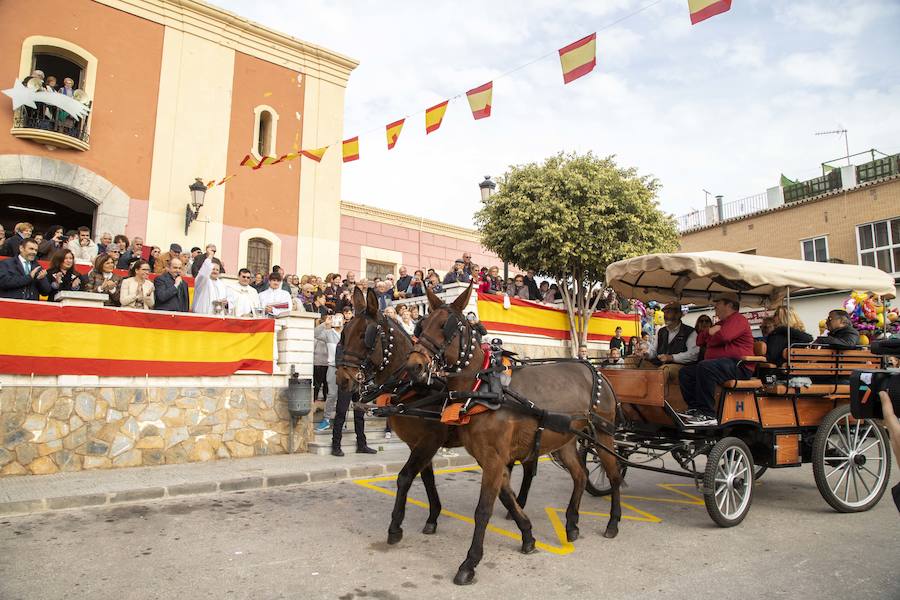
<point x="37" y="493"/>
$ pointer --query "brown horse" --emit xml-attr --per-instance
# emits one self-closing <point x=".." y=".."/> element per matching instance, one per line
<point x="375" y="349"/>
<point x="499" y="437"/>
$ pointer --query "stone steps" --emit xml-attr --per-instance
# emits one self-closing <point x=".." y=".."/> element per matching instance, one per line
<point x="321" y="442"/>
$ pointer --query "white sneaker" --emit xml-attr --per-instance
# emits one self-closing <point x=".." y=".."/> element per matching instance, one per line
<point x="387" y="435"/>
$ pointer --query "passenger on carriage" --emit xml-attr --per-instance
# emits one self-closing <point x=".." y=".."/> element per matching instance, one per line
<point x="675" y="344"/>
<point x="786" y="322"/>
<point x="727" y="342"/>
<point x="841" y="333"/>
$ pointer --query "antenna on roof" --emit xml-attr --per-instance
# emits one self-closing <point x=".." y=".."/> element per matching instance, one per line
<point x="839" y="132"/>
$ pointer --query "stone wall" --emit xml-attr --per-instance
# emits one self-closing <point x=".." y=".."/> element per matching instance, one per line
<point x="47" y="426"/>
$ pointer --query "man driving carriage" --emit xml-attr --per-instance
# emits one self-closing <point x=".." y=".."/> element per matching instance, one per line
<point x="726" y="343"/>
<point x="675" y="344"/>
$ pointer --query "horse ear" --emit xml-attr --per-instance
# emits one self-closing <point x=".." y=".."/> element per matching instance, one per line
<point x="433" y="299"/>
<point x="460" y="303"/>
<point x="372" y="303"/>
<point x="359" y="301"/>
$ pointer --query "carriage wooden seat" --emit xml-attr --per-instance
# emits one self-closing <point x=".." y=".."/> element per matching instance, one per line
<point x="758" y="358"/>
<point x="828" y="363"/>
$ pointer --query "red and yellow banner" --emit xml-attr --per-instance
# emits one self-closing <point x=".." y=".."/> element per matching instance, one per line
<point x="434" y="116"/>
<point x="350" y="149"/>
<point x="393" y="132"/>
<point x="480" y="100"/>
<point x="316" y="154"/>
<point x="704" y="9"/>
<point x="537" y="319"/>
<point x="49" y="339"/>
<point x="578" y="58"/>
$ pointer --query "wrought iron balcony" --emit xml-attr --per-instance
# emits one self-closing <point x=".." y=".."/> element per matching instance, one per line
<point x="46" y="125"/>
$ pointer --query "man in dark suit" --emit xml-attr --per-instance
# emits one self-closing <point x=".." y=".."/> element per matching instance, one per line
<point x="170" y="290"/>
<point x="21" y="277"/>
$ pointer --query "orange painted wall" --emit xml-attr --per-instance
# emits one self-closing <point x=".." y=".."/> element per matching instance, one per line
<point x="129" y="53"/>
<point x="267" y="198"/>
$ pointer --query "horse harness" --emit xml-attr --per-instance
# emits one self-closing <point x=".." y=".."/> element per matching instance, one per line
<point x="455" y="328"/>
<point x="366" y="368"/>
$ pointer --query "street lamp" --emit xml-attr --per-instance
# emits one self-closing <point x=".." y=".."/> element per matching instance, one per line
<point x="198" y="192"/>
<point x="487" y="188"/>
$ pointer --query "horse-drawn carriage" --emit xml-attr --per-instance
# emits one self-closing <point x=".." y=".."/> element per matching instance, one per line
<point x="781" y="417"/>
<point x="444" y="388"/>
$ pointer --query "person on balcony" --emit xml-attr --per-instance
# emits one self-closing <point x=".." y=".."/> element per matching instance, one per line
<point x="84" y="248"/>
<point x="170" y="290"/>
<point x="21" y="277"/>
<point x="518" y="289"/>
<point x="132" y="254"/>
<point x="209" y="290"/>
<point x="137" y="290"/>
<point x="103" y="280"/>
<point x="457" y="273"/>
<point x="54" y="240"/>
<point x="403" y="282"/>
<point x="62" y="274"/>
<point x="22" y="232"/>
<point x="275" y="301"/>
<point x="841" y="333"/>
<point x="162" y="262"/>
<point x="105" y="241"/>
<point x="244" y="299"/>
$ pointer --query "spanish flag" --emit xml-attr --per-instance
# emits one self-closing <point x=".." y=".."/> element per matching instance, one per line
<point x="351" y="149"/>
<point x="578" y="58"/>
<point x="249" y="160"/>
<point x="480" y="100"/>
<point x="393" y="132"/>
<point x="316" y="154"/>
<point x="266" y="160"/>
<point x="434" y="116"/>
<point x="704" y="9"/>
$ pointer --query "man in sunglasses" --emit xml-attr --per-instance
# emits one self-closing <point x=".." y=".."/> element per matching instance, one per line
<point x="244" y="298"/>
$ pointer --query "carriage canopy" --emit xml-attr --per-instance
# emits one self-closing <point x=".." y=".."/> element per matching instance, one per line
<point x="695" y="277"/>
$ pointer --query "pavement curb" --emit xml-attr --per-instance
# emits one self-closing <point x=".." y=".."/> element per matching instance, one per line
<point x="195" y="488"/>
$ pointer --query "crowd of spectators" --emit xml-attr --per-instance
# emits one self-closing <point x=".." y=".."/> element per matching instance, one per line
<point x="46" y="116"/>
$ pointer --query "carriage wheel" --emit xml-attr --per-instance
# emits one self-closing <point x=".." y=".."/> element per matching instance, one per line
<point x="597" y="482"/>
<point x="851" y="461"/>
<point x="728" y="482"/>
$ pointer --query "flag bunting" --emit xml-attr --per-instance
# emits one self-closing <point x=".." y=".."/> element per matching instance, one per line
<point x="316" y="154"/>
<point x="578" y="58"/>
<point x="393" y="132"/>
<point x="434" y="116"/>
<point x="480" y="100"/>
<point x="351" y="149"/>
<point x="704" y="9"/>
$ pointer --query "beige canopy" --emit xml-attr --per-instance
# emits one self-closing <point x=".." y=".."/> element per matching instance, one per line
<point x="694" y="277"/>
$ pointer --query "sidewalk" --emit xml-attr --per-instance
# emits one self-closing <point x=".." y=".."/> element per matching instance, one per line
<point x="38" y="493"/>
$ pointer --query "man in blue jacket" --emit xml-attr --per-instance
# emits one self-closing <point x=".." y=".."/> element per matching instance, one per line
<point x="21" y="277"/>
<point x="170" y="290"/>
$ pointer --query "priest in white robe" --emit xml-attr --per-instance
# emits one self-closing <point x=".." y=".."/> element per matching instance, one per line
<point x="243" y="298"/>
<point x="208" y="288"/>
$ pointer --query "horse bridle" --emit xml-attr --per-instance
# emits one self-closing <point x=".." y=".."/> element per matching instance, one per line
<point x="455" y="327"/>
<point x="364" y="361"/>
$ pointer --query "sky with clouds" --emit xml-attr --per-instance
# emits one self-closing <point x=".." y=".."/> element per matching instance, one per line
<point x="726" y="105"/>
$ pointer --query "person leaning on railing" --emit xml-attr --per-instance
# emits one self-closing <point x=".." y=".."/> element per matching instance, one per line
<point x="62" y="274"/>
<point x="103" y="280"/>
<point x="137" y="290"/>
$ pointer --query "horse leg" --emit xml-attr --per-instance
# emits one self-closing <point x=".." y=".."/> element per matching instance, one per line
<point x="509" y="501"/>
<point x="491" y="479"/>
<point x="434" y="501"/>
<point x="529" y="470"/>
<point x="611" y="466"/>
<point x="419" y="456"/>
<point x="568" y="454"/>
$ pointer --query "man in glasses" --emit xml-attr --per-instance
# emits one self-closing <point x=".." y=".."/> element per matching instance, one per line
<point x="841" y="333"/>
<point x="244" y="298"/>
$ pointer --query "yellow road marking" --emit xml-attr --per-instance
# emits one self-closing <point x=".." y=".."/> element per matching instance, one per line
<point x="553" y="513"/>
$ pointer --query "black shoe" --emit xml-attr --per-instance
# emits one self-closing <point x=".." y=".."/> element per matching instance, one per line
<point x="337" y="452"/>
<point x="366" y="450"/>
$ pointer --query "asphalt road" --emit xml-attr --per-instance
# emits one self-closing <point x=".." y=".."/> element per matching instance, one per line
<point x="328" y="541"/>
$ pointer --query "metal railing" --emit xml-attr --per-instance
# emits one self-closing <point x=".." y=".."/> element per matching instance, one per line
<point x="50" y="118"/>
<point x="813" y="187"/>
<point x="730" y="210"/>
<point x="878" y="168"/>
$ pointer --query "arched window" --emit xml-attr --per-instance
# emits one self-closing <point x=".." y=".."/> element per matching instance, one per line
<point x="264" y="131"/>
<point x="259" y="255"/>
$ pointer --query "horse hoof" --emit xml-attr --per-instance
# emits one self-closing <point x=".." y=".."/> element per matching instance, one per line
<point x="430" y="528"/>
<point x="464" y="577"/>
<point x="528" y="547"/>
<point x="611" y="532"/>
<point x="572" y="534"/>
<point x="394" y="537"/>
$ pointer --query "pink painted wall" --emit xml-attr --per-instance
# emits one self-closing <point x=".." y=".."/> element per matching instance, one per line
<point x="432" y="251"/>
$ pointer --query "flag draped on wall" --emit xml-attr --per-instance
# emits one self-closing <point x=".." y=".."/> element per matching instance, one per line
<point x="704" y="9"/>
<point x="480" y="100"/>
<point x="350" y="149"/>
<point x="434" y="116"/>
<point x="316" y="154"/>
<point x="393" y="132"/>
<point x="578" y="58"/>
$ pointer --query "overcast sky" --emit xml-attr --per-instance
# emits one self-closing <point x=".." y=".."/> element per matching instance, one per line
<point x="726" y="105"/>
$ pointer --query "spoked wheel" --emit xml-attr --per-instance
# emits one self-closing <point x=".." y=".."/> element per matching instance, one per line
<point x="728" y="482"/>
<point x="597" y="480"/>
<point x="851" y="461"/>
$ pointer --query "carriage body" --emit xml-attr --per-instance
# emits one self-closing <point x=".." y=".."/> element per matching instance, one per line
<point x="773" y="420"/>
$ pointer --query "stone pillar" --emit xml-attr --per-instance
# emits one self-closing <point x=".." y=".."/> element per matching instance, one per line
<point x="295" y="342"/>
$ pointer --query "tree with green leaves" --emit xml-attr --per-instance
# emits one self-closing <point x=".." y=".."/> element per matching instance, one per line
<point x="568" y="219"/>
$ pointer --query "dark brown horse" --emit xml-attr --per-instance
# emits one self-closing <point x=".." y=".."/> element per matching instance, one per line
<point x="497" y="438"/>
<point x="375" y="349"/>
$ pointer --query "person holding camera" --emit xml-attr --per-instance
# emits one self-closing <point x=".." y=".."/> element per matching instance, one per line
<point x="892" y="424"/>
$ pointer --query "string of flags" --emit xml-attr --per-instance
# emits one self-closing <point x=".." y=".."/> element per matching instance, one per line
<point x="576" y="60"/>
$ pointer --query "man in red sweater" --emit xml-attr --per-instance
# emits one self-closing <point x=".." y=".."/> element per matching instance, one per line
<point x="726" y="343"/>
